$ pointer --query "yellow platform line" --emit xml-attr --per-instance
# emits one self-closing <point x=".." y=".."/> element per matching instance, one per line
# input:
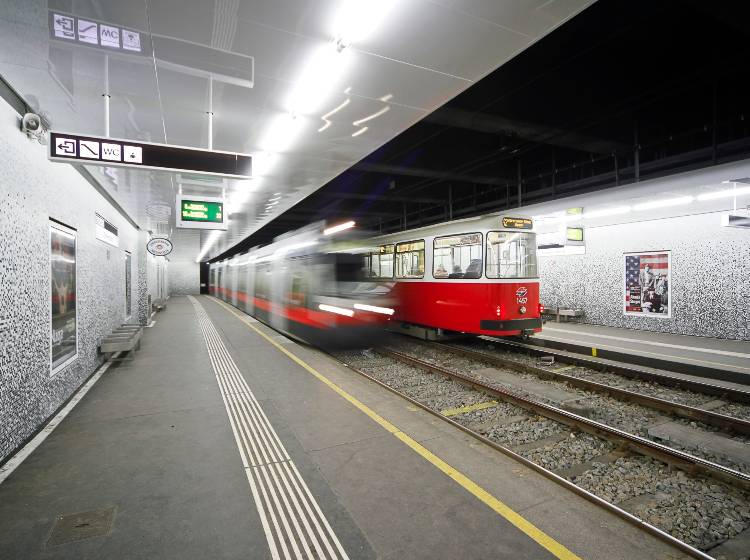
<point x="468" y="408"/>
<point x="528" y="528"/>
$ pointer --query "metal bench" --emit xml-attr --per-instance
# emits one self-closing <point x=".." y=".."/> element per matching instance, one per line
<point x="566" y="313"/>
<point x="123" y="339"/>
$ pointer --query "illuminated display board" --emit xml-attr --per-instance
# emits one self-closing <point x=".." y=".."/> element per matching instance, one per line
<point x="199" y="212"/>
<point x="517" y="223"/>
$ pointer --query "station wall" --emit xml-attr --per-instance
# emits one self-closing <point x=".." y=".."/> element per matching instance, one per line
<point x="710" y="278"/>
<point x="184" y="272"/>
<point x="33" y="190"/>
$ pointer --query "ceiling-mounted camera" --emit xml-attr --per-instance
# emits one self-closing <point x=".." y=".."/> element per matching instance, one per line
<point x="33" y="126"/>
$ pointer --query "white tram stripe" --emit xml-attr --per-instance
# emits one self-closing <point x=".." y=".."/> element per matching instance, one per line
<point x="293" y="523"/>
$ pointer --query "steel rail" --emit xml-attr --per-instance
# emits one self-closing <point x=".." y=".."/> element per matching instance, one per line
<point x="565" y="483"/>
<point x="629" y="370"/>
<point x="640" y="445"/>
<point x="709" y="417"/>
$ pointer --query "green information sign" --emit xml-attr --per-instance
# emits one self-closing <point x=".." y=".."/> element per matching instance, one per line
<point x="202" y="211"/>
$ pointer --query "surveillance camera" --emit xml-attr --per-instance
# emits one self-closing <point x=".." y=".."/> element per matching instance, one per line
<point x="31" y="124"/>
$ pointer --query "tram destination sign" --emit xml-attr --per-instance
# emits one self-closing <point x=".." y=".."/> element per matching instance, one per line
<point x="95" y="150"/>
<point x="517" y="223"/>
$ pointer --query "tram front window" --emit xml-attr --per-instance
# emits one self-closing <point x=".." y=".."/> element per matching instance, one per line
<point x="511" y="255"/>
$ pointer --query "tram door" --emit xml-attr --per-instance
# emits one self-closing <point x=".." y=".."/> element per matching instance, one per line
<point x="280" y="276"/>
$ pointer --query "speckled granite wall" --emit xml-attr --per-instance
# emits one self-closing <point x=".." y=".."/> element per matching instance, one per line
<point x="31" y="191"/>
<point x="184" y="272"/>
<point x="710" y="286"/>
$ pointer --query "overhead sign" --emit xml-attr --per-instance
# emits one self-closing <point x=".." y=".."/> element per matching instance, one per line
<point x="201" y="212"/>
<point x="517" y="223"/>
<point x="159" y="246"/>
<point x="86" y="32"/>
<point x="127" y="153"/>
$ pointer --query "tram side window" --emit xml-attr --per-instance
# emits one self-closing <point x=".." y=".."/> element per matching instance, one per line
<point x="410" y="260"/>
<point x="457" y="256"/>
<point x="511" y="255"/>
<point x="380" y="264"/>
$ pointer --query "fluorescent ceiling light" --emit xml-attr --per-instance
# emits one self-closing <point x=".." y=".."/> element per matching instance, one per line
<point x="360" y="131"/>
<point x="373" y="308"/>
<point x="728" y="193"/>
<point x="338" y="228"/>
<point x="337" y="310"/>
<point x="210" y="242"/>
<point x="375" y="115"/>
<point x="357" y="20"/>
<point x="282" y="133"/>
<point x="319" y="77"/>
<point x="325" y="117"/>
<point x="614" y="211"/>
<point x="664" y="203"/>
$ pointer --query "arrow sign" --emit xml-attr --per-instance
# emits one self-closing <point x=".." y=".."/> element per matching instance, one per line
<point x="95" y="150"/>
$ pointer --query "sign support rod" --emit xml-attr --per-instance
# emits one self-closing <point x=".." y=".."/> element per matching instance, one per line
<point x="106" y="95"/>
<point x="210" y="112"/>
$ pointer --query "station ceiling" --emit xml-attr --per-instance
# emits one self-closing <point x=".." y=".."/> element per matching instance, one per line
<point x="623" y="92"/>
<point x="308" y="87"/>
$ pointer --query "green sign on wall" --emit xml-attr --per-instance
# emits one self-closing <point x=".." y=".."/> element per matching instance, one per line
<point x="202" y="211"/>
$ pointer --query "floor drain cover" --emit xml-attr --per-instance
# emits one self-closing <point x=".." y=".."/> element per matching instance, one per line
<point x="79" y="526"/>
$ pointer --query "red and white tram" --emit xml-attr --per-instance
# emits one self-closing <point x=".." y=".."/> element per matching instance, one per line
<point x="476" y="276"/>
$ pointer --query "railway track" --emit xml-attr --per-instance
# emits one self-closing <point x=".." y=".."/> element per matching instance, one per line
<point x="667" y="491"/>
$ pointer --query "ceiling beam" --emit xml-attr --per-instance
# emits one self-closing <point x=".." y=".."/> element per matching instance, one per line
<point x="428" y="174"/>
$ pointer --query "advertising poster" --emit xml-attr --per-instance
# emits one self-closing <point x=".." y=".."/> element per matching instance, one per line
<point x="63" y="293"/>
<point x="647" y="284"/>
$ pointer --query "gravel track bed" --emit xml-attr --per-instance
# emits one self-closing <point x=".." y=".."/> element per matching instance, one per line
<point x="651" y="389"/>
<point x="578" y="448"/>
<point x="629" y="417"/>
<point x="698" y="511"/>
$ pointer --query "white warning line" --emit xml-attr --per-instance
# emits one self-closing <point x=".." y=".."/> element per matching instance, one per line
<point x="294" y="525"/>
<point x="698" y="349"/>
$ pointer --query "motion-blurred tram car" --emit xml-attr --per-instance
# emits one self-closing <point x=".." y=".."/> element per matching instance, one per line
<point x="308" y="284"/>
<point x="476" y="276"/>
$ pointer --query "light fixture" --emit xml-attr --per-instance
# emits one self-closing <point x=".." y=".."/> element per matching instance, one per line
<point x="325" y="118"/>
<point x="318" y="78"/>
<point x="374" y="308"/>
<point x="728" y="193"/>
<point x="210" y="242"/>
<point x="614" y="211"/>
<point x="357" y="20"/>
<point x="375" y="115"/>
<point x="341" y="227"/>
<point x="337" y="310"/>
<point x="664" y="203"/>
<point x="282" y="133"/>
<point x="360" y="131"/>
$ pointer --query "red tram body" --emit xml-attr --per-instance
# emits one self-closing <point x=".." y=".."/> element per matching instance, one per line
<point x="474" y="276"/>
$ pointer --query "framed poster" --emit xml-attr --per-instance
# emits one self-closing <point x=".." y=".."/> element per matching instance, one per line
<point x="64" y="331"/>
<point x="648" y="282"/>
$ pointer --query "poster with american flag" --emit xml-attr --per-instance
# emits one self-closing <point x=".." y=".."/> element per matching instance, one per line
<point x="647" y="284"/>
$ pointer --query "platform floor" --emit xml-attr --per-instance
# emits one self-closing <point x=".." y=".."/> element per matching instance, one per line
<point x="151" y="447"/>
<point x="703" y="352"/>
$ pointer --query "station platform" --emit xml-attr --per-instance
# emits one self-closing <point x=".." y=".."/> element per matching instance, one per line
<point x="720" y="359"/>
<point x="223" y="439"/>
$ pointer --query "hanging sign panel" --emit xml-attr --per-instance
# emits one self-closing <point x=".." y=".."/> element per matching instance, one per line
<point x="647" y="284"/>
<point x="126" y="153"/>
<point x="201" y="212"/>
